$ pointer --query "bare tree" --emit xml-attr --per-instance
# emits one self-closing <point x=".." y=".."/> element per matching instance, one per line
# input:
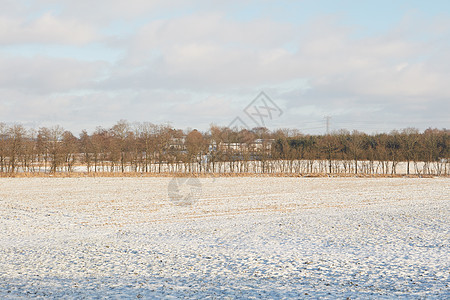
<point x="86" y="148"/>
<point x="70" y="148"/>
<point x="409" y="139"/>
<point x="15" y="145"/>
<point x="4" y="136"/>
<point x="55" y="141"/>
<point x="120" y="132"/>
<point x="195" y="146"/>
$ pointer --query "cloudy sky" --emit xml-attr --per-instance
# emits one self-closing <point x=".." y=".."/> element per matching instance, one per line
<point x="369" y="65"/>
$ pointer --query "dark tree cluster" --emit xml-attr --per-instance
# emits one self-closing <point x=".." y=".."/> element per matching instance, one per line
<point x="150" y="148"/>
<point x="356" y="152"/>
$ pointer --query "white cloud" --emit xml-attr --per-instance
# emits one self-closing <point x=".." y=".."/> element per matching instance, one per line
<point x="45" y="29"/>
<point x="212" y="52"/>
<point x="177" y="59"/>
<point x="45" y="75"/>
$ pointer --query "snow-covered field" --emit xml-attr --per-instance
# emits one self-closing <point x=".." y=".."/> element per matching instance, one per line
<point x="231" y="238"/>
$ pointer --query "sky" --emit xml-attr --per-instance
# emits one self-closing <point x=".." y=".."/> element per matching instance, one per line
<point x="372" y="66"/>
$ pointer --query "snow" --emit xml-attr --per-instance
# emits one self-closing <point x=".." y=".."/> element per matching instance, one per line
<point x="248" y="237"/>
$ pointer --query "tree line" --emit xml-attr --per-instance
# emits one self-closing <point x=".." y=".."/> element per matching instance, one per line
<point x="150" y="148"/>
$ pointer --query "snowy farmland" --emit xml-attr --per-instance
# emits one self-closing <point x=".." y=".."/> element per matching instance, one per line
<point x="234" y="238"/>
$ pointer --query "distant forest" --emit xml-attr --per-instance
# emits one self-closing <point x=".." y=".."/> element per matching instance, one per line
<point x="150" y="148"/>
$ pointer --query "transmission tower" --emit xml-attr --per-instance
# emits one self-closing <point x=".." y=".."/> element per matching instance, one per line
<point x="327" y="120"/>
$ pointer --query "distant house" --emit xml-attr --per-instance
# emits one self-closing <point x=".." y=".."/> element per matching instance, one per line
<point x="261" y="145"/>
<point x="212" y="147"/>
<point x="232" y="146"/>
<point x="255" y="146"/>
<point x="178" y="143"/>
